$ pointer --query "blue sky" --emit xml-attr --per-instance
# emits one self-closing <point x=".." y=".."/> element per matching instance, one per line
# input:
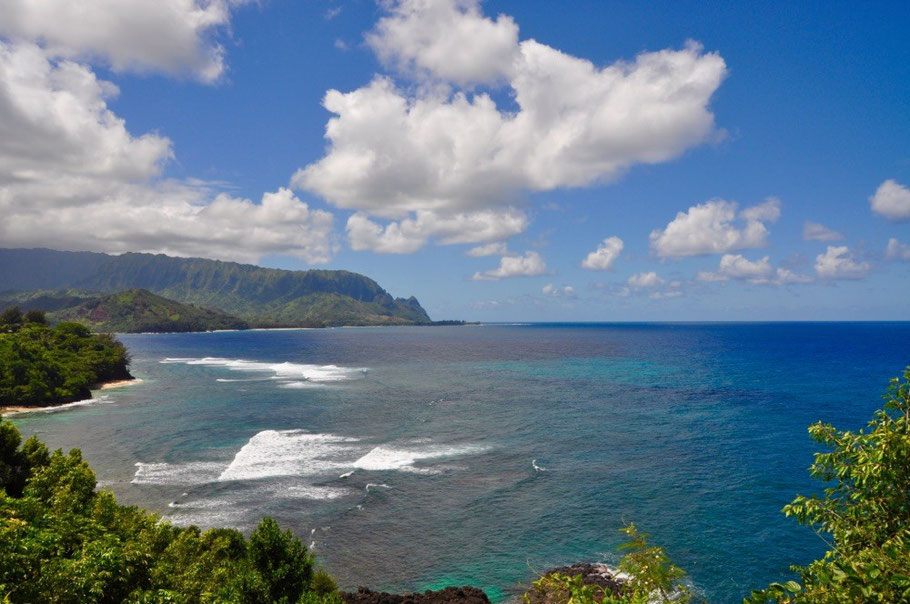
<point x="730" y="161"/>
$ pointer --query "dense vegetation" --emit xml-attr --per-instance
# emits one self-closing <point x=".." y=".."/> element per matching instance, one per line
<point x="42" y="365"/>
<point x="63" y="541"/>
<point x="264" y="297"/>
<point x="138" y="310"/>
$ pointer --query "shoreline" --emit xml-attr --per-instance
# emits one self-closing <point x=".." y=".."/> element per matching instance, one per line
<point x="17" y="409"/>
<point x="118" y="384"/>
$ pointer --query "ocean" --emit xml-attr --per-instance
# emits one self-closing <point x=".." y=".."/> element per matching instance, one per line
<point x="414" y="458"/>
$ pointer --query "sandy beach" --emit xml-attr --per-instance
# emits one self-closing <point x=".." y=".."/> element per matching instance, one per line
<point x="119" y="384"/>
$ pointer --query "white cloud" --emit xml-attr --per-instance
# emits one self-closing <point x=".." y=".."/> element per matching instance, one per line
<point x="839" y="263"/>
<point x="767" y="211"/>
<point x="391" y="154"/>
<point x="396" y="150"/>
<point x="735" y="266"/>
<point x="813" y="231"/>
<point x="171" y="36"/>
<point x="178" y="220"/>
<point x="449" y="40"/>
<point x="497" y="248"/>
<point x="897" y="250"/>
<point x="739" y="268"/>
<point x="553" y="291"/>
<point x="645" y="280"/>
<point x="786" y="277"/>
<point x="73" y="177"/>
<point x="891" y="200"/>
<point x="411" y="234"/>
<point x="667" y="294"/>
<point x="529" y="265"/>
<point x="708" y="228"/>
<point x="55" y="125"/>
<point x="604" y="256"/>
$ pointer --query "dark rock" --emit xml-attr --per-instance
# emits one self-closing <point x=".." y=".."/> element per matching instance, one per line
<point x="449" y="595"/>
<point x="591" y="574"/>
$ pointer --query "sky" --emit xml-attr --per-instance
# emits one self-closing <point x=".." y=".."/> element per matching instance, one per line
<point x="501" y="161"/>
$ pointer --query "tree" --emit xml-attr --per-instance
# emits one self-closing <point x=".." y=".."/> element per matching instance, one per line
<point x="36" y="316"/>
<point x="11" y="319"/>
<point x="282" y="561"/>
<point x="865" y="512"/>
<point x="63" y="541"/>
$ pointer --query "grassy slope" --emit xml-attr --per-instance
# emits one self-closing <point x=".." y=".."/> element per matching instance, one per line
<point x="138" y="310"/>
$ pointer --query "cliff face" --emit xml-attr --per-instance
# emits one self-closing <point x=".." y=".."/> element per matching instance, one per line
<point x="261" y="296"/>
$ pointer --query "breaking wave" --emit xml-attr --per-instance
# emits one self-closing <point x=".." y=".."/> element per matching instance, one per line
<point x="292" y="374"/>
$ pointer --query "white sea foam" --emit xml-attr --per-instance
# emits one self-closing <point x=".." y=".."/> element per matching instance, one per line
<point x="292" y="372"/>
<point x="536" y="467"/>
<point x="299" y="454"/>
<point x="288" y="453"/>
<point x="298" y="384"/>
<point x="287" y="464"/>
<point x="201" y="504"/>
<point x="387" y="458"/>
<point x="101" y="400"/>
<point x="317" y="492"/>
<point x="196" y="472"/>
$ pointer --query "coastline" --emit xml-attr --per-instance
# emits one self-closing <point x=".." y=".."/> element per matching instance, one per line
<point x="118" y="384"/>
<point x="17" y="409"/>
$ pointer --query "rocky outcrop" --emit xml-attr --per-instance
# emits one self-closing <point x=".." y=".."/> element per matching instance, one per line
<point x="600" y="575"/>
<point x="449" y="595"/>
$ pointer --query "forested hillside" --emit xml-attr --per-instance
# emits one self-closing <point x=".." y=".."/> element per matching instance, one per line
<point x="261" y="296"/>
<point x="139" y="310"/>
<point x="41" y="365"/>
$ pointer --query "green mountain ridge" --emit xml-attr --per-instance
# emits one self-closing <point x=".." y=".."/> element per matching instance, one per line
<point x="264" y="297"/>
<point x="139" y="310"/>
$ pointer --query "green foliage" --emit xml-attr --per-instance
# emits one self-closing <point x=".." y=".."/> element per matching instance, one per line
<point x="650" y="571"/>
<point x="36" y="316"/>
<point x="265" y="297"/>
<point x="281" y="560"/>
<point x="63" y="541"/>
<point x="40" y="365"/>
<point x="864" y="513"/>
<point x="138" y="310"/>
<point x="323" y="583"/>
<point x="17" y="464"/>
<point x="11" y="319"/>
<point x="556" y="588"/>
<point x="651" y="578"/>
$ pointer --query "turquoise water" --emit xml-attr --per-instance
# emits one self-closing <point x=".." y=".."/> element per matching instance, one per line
<point x="420" y="457"/>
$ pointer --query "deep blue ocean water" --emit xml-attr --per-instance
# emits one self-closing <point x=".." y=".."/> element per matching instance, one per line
<point x="419" y="457"/>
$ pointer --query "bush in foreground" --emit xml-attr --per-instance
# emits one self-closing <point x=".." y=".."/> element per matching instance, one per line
<point x="63" y="541"/>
